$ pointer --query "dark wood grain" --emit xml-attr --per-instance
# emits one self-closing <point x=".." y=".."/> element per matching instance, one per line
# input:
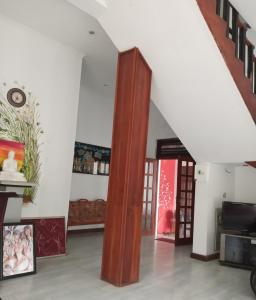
<point x="121" y="251"/>
<point x="3" y="204"/>
<point x="218" y="28"/>
<point x="205" y="258"/>
<point x="171" y="148"/>
<point x="180" y="173"/>
<point x="251" y="163"/>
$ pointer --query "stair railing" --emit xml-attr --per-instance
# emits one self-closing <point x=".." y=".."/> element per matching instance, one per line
<point x="237" y="31"/>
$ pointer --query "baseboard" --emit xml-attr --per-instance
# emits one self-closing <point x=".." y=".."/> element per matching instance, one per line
<point x="51" y="256"/>
<point x="87" y="230"/>
<point x="166" y="240"/>
<point x="205" y="257"/>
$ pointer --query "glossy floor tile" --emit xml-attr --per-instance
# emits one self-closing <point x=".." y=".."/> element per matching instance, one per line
<point x="166" y="273"/>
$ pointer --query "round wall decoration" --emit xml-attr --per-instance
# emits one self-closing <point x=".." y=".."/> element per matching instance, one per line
<point x="16" y="97"/>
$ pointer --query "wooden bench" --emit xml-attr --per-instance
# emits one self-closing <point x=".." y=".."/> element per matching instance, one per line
<point x="86" y="212"/>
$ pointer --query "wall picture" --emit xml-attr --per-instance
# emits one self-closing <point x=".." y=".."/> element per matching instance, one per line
<point x="91" y="159"/>
<point x="18" y="250"/>
<point x="20" y="122"/>
<point x="18" y="148"/>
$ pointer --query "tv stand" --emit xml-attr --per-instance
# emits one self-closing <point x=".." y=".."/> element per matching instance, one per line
<point x="238" y="250"/>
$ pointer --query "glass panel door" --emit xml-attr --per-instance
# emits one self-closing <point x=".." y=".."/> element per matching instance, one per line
<point x="149" y="197"/>
<point x="185" y="201"/>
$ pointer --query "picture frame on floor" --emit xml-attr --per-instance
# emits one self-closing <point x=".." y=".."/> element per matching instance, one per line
<point x="18" y="256"/>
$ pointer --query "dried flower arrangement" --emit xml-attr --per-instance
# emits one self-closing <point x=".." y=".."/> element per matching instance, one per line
<point x="22" y="125"/>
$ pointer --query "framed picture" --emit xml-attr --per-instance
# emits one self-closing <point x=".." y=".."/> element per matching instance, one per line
<point x="91" y="159"/>
<point x="18" y="250"/>
<point x="16" y="147"/>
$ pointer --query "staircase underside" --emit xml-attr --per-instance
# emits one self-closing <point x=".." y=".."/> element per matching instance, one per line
<point x="218" y="29"/>
<point x="192" y="86"/>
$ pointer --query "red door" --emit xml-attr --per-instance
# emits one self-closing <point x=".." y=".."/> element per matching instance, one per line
<point x="185" y="201"/>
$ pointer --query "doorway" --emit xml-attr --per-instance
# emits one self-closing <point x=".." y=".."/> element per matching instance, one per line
<point x="185" y="201"/>
<point x="176" y="193"/>
<point x="166" y="208"/>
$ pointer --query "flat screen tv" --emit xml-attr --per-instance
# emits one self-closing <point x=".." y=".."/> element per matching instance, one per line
<point x="239" y="216"/>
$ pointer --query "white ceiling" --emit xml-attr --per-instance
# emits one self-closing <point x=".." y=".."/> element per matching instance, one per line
<point x="69" y="25"/>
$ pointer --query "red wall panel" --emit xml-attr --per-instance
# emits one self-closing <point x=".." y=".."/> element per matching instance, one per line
<point x="50" y="236"/>
<point x="166" y="204"/>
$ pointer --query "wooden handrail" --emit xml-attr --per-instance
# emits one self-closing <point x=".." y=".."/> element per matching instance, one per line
<point x="218" y="27"/>
<point x="251" y="163"/>
<point x="8" y="195"/>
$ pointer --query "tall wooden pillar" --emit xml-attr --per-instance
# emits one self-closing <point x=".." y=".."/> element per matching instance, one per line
<point x="121" y="251"/>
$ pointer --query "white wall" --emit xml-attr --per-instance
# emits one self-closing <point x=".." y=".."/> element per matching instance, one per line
<point x="209" y="196"/>
<point x="94" y="126"/>
<point x="158" y="129"/>
<point x="51" y="71"/>
<point x="237" y="181"/>
<point x="245" y="184"/>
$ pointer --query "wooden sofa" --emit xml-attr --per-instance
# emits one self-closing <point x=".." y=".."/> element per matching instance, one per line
<point x="86" y="212"/>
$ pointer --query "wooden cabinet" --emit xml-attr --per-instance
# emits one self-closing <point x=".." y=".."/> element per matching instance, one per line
<point x="238" y="250"/>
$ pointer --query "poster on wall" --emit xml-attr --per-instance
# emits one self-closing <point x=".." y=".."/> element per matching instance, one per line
<point x="91" y="159"/>
<point x="10" y="146"/>
<point x="18" y="250"/>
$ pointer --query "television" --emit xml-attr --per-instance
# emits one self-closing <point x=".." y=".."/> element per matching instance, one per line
<point x="239" y="216"/>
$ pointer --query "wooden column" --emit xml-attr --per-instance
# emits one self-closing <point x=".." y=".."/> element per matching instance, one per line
<point x="121" y="250"/>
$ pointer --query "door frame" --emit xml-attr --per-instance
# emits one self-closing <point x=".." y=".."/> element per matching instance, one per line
<point x="173" y="149"/>
<point x="184" y="241"/>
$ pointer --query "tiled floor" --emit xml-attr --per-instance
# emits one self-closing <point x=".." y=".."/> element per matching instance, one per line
<point x="166" y="273"/>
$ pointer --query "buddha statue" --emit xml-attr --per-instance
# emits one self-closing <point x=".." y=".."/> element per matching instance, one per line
<point x="10" y="169"/>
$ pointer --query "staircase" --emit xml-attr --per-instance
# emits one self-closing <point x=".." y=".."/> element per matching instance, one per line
<point x="236" y="41"/>
<point x="244" y="38"/>
<point x="212" y="112"/>
<point x="240" y="32"/>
